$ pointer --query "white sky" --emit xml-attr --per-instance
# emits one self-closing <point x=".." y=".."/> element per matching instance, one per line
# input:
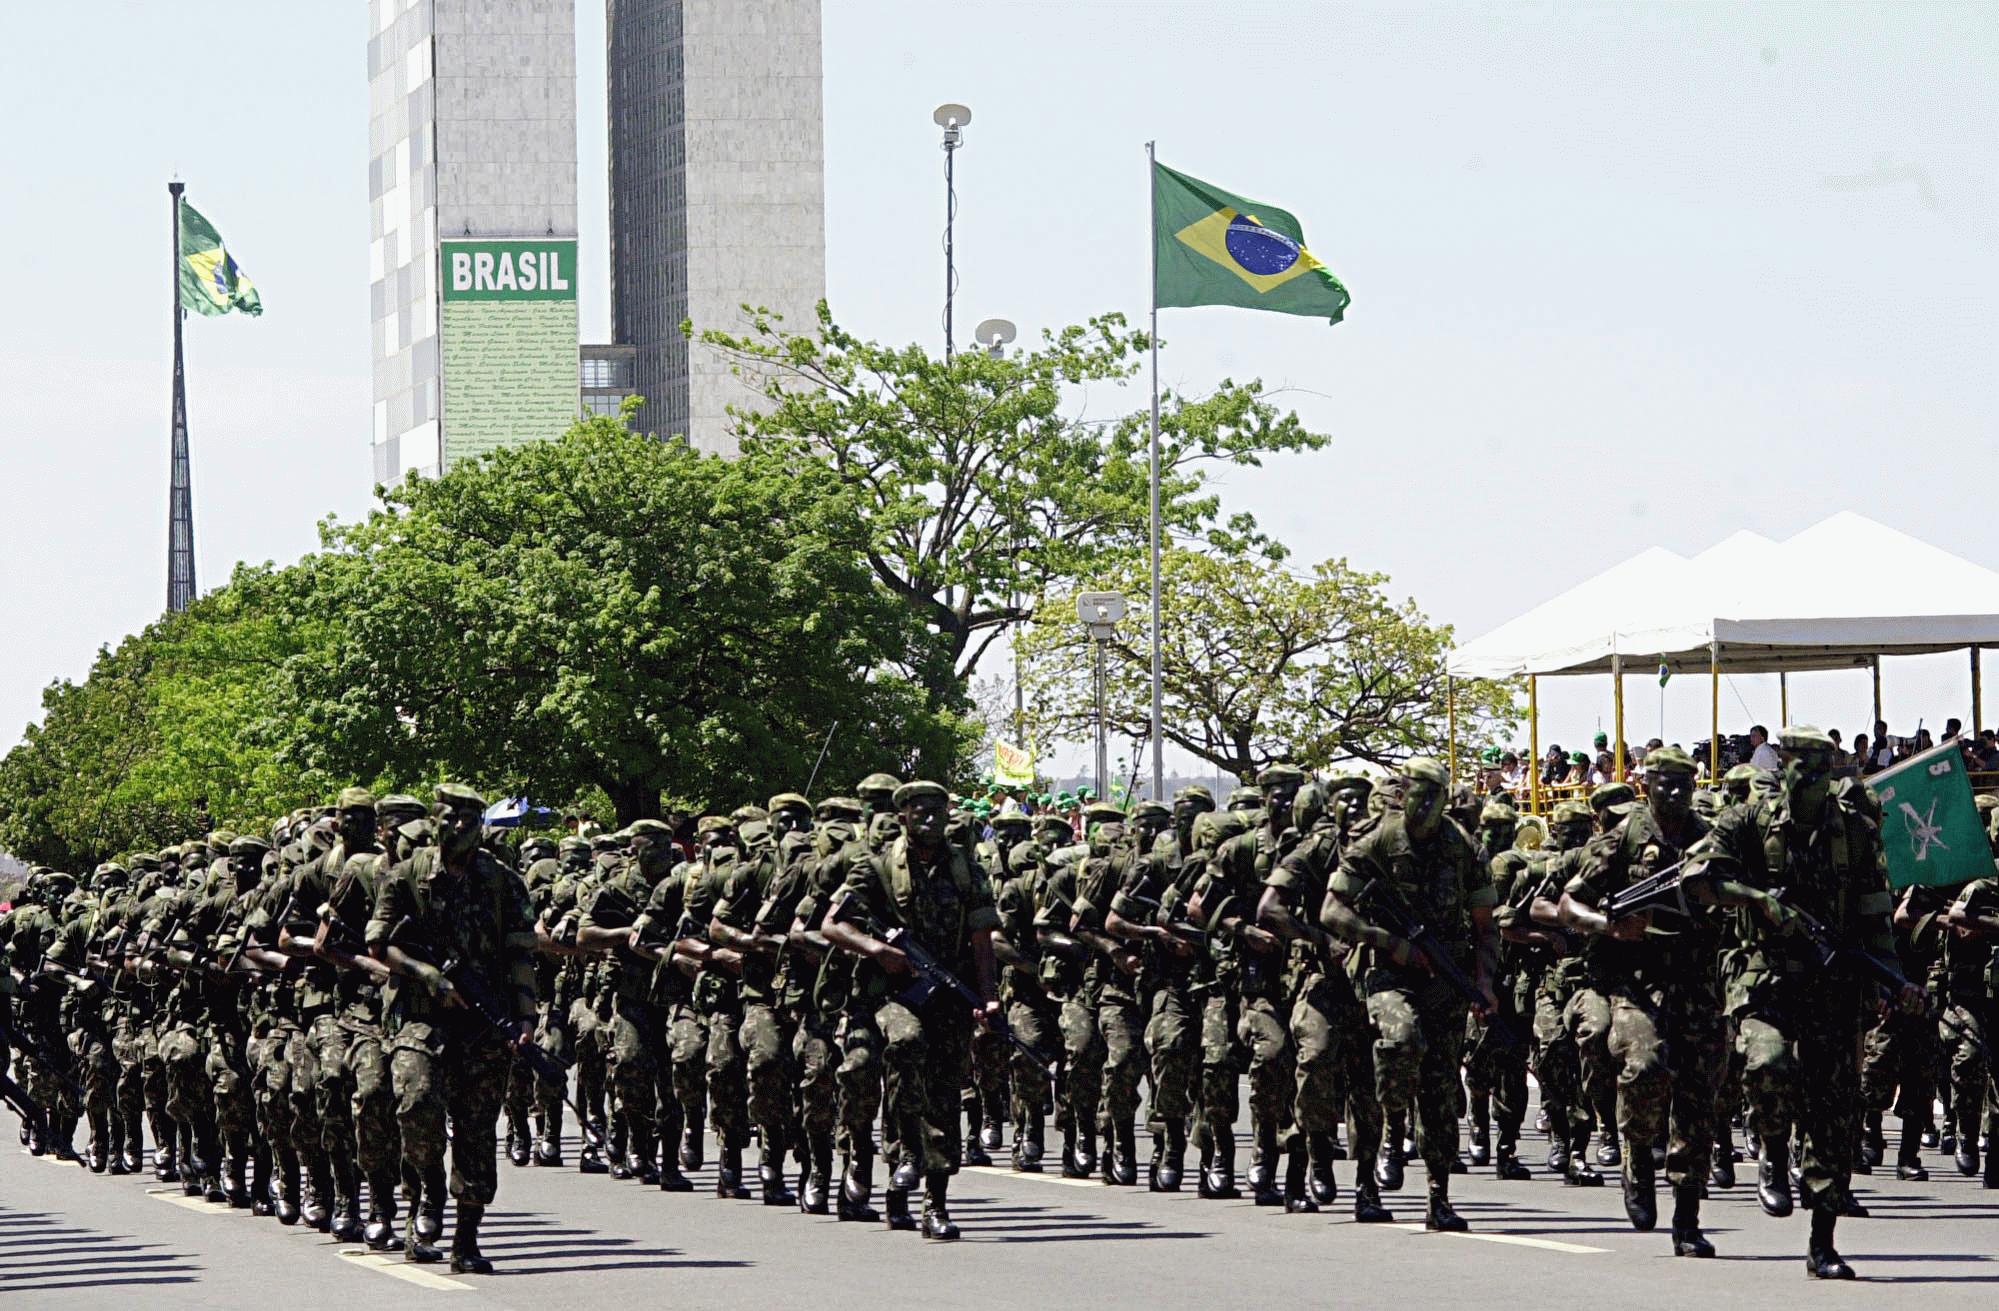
<point x="1621" y="274"/>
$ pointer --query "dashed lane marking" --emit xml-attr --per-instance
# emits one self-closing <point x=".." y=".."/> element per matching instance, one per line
<point x="403" y="1270"/>
<point x="178" y="1198"/>
<point x="1006" y="1173"/>
<point x="1514" y="1240"/>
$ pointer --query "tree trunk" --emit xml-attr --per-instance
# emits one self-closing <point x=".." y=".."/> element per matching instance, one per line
<point x="633" y="801"/>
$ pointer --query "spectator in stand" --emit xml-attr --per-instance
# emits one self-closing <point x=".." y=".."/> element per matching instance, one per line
<point x="1984" y="755"/>
<point x="1953" y="729"/>
<point x="1884" y="750"/>
<point x="1761" y="754"/>
<point x="1605" y="770"/>
<point x="1578" y="772"/>
<point x="1510" y="775"/>
<point x="1554" y="767"/>
<point x="1923" y="742"/>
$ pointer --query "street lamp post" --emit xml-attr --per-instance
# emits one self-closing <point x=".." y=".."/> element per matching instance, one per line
<point x="1100" y="613"/>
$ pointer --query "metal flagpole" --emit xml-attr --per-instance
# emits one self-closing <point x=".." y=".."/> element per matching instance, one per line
<point x="1158" y="739"/>
<point x="180" y="481"/>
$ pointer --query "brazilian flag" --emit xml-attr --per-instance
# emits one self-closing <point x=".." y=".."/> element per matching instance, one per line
<point x="210" y="281"/>
<point x="1211" y="247"/>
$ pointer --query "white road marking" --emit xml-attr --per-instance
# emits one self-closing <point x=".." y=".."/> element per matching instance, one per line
<point x="403" y="1270"/>
<point x="1007" y="1173"/>
<point x="178" y="1198"/>
<point x="1513" y="1240"/>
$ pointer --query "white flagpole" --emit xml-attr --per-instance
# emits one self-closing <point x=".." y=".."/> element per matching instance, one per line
<point x="1158" y="740"/>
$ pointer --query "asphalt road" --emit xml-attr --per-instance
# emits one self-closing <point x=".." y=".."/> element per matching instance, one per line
<point x="72" y="1239"/>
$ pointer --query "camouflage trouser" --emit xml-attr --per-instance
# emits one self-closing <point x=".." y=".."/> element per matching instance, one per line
<point x="1802" y="1068"/>
<point x="377" y="1141"/>
<point x="128" y="1048"/>
<point x="687" y="1046"/>
<point x="1588" y="1021"/>
<point x="155" y="1084"/>
<point x="436" y="1075"/>
<point x="1558" y="1071"/>
<point x="1219" y="1103"/>
<point x="519" y="1100"/>
<point x="1272" y="1065"/>
<point x="333" y="1088"/>
<point x="1082" y="1065"/>
<point x="187" y="1081"/>
<point x="94" y="1067"/>
<point x="592" y="1070"/>
<point x="1419" y="1034"/>
<point x="816" y="1055"/>
<point x="859" y="1077"/>
<point x="1500" y="1070"/>
<point x="1122" y="1025"/>
<point x="271" y="1086"/>
<point x="1035" y="1020"/>
<point x="1898" y="1068"/>
<point x="1173" y="1041"/>
<point x="765" y="1042"/>
<point x="556" y="1035"/>
<point x="1667" y="1046"/>
<point x="1329" y="1031"/>
<point x="1970" y="1078"/>
<point x="229" y="1081"/>
<point x="992" y="1057"/>
<point x="728" y="1090"/>
<point x="926" y="1055"/>
<point x="640" y="1076"/>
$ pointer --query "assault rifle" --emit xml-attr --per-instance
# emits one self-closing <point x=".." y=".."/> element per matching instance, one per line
<point x="25" y="1106"/>
<point x="1664" y="889"/>
<point x="928" y="975"/>
<point x="1385" y="906"/>
<point x="481" y="1003"/>
<point x="1885" y="975"/>
<point x="1184" y="929"/>
<point x="54" y="1063"/>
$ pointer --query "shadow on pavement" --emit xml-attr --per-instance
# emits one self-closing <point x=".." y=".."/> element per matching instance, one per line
<point x="40" y="1255"/>
<point x="525" y="1243"/>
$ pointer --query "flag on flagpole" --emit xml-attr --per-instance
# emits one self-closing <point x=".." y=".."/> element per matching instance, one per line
<point x="1664" y="673"/>
<point x="210" y="281"/>
<point x="1930" y="829"/>
<point x="1012" y="767"/>
<point x="1212" y="247"/>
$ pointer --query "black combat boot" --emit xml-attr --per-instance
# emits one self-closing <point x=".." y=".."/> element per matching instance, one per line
<point x="729" y="1174"/>
<point x="428" y="1219"/>
<point x="1966" y="1153"/>
<point x="1174" y="1163"/>
<point x="166" y="1164"/>
<point x="1440" y="1217"/>
<point x="1218" y="1179"/>
<point x="691" y="1146"/>
<point x="666" y="1173"/>
<point x="548" y="1143"/>
<point x="260" y="1181"/>
<point x="346" y="1225"/>
<point x="1873" y="1147"/>
<point x="1721" y="1169"/>
<point x="770" y="1171"/>
<point x="1367" y="1207"/>
<point x="973" y="1146"/>
<point x="937" y="1222"/>
<point x="1641" y="1202"/>
<point x="416" y="1246"/>
<point x="1822" y="1260"/>
<point x="286" y="1205"/>
<point x="1990" y="1179"/>
<point x="618" y="1150"/>
<point x="1688" y="1240"/>
<point x="815" y="1198"/>
<point x="1264" y="1188"/>
<point x="1124" y="1153"/>
<point x="1389" y="1170"/>
<point x="1297" y="1193"/>
<point x="857" y="1180"/>
<point x="317" y="1210"/>
<point x="1773" y="1179"/>
<point x="1028" y="1144"/>
<point x="114" y="1151"/>
<point x="519" y="1139"/>
<point x="1558" y="1140"/>
<point x="895" y="1209"/>
<point x="590" y="1160"/>
<point x="380" y="1232"/>
<point x="1085" y="1152"/>
<point x="644" y="1168"/>
<point x="1481" y="1128"/>
<point x="466" y="1258"/>
<point x="1909" y="1156"/>
<point x="1507" y="1165"/>
<point x="1324" y="1150"/>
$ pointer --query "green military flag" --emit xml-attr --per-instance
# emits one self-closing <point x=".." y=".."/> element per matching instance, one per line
<point x="1211" y="247"/>
<point x="210" y="281"/>
<point x="1930" y="828"/>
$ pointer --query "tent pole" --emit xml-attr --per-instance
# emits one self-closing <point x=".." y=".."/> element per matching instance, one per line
<point x="1714" y="709"/>
<point x="1783" y="698"/>
<point x="1451" y="724"/>
<point x="1534" y="745"/>
<point x="1617" y="712"/>
<point x="1977" y="697"/>
<point x="1875" y="662"/>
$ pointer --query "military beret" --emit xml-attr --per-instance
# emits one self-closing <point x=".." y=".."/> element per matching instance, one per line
<point x="602" y="842"/>
<point x="877" y="784"/>
<point x="1350" y="783"/>
<point x="650" y="828"/>
<point x="459" y="797"/>
<point x="1426" y="769"/>
<point x="1194" y="792"/>
<point x="1277" y="774"/>
<point x="249" y="847"/>
<point x="755" y="831"/>
<point x="418" y="830"/>
<point x="1494" y="813"/>
<point x="839" y="808"/>
<point x="362" y="799"/>
<point x="1046" y="825"/>
<point x="399" y="804"/>
<point x="219" y="840"/>
<point x="1244" y="797"/>
<point x="145" y="861"/>
<point x="538" y="842"/>
<point x="1572" y="812"/>
<point x="168" y="853"/>
<point x="919" y="789"/>
<point x="789" y="801"/>
<point x="1103" y="812"/>
<point x="1012" y="819"/>
<point x="1150" y="810"/>
<point x="715" y="824"/>
<point x="1606" y="795"/>
<point x="1739" y="774"/>
<point x="570" y="844"/>
<point x="1668" y="759"/>
<point x="743" y="814"/>
<point x="1803" y="737"/>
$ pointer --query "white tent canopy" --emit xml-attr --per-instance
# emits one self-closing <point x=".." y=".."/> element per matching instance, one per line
<point x="1834" y="596"/>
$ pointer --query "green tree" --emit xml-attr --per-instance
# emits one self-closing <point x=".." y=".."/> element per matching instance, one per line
<point x="980" y="484"/>
<point x="1260" y="664"/>
<point x="613" y="612"/>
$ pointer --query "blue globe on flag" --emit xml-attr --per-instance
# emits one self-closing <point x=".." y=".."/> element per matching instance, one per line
<point x="1257" y="248"/>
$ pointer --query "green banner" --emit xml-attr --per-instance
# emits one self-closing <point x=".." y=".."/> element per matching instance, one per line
<point x="509" y="270"/>
<point x="1930" y="828"/>
<point x="1213" y="247"/>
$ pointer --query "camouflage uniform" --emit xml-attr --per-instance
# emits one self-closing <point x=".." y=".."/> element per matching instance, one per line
<point x="1120" y="1016"/>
